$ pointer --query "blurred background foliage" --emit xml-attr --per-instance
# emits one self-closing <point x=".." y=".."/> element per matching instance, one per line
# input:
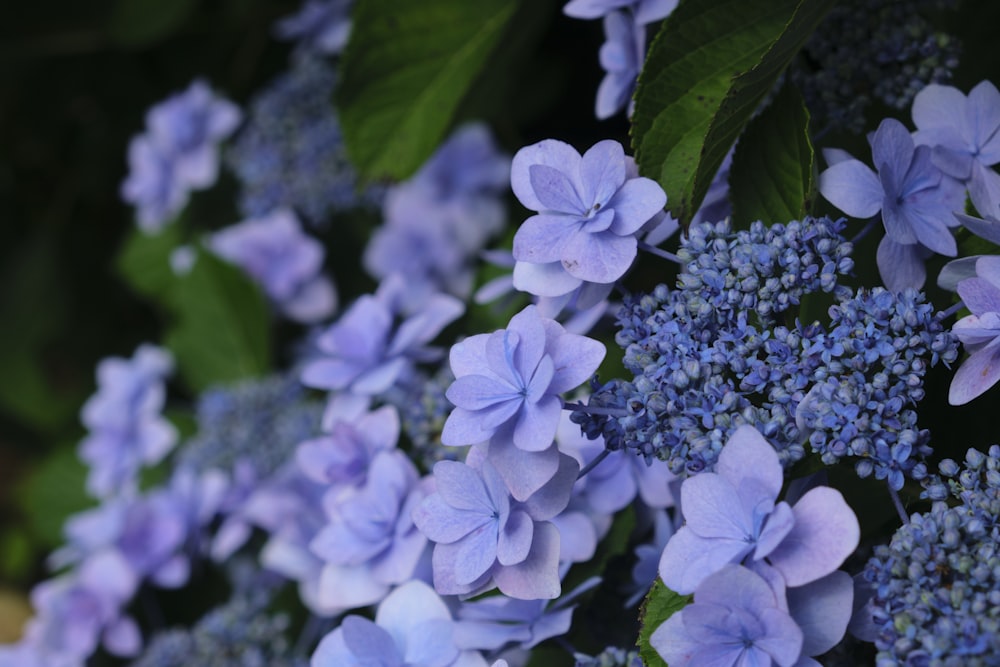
<point x="76" y="78"/>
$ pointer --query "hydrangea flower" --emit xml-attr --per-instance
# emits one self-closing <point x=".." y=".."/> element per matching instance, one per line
<point x="412" y="628"/>
<point x="364" y="353"/>
<point x="438" y="220"/>
<point x="621" y="56"/>
<point x="735" y="619"/>
<point x="646" y="11"/>
<point x="320" y="26"/>
<point x="370" y="543"/>
<point x="485" y="538"/>
<point x="178" y="153"/>
<point x="344" y="455"/>
<point x="964" y="133"/>
<point x="589" y="211"/>
<point x="733" y="515"/>
<point x="915" y="198"/>
<point x="127" y="429"/>
<point x="283" y="260"/>
<point x="979" y="332"/>
<point x="516" y="375"/>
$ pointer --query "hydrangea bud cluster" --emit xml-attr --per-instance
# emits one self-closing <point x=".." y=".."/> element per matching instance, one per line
<point x="702" y="367"/>
<point x="290" y="154"/>
<point x="879" y="348"/>
<point x="240" y="633"/>
<point x="609" y="657"/>
<point x="257" y="422"/>
<point x="697" y="357"/>
<point x="937" y="583"/>
<point x="873" y="50"/>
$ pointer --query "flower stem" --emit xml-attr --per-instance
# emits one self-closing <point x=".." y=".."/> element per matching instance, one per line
<point x="953" y="309"/>
<point x="593" y="464"/>
<point x="595" y="409"/>
<point x="898" y="504"/>
<point x="652" y="249"/>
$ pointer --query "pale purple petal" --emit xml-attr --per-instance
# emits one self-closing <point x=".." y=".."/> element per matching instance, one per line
<point x="540" y="238"/>
<point x="852" y="187"/>
<point x="826" y="532"/>
<point x="602" y="172"/>
<point x="979" y="295"/>
<point x="554" y="495"/>
<point x="550" y="152"/>
<point x="748" y="454"/>
<point x="899" y="265"/>
<point x="638" y="200"/>
<point x="515" y="539"/>
<point x="602" y="257"/>
<point x="537" y="576"/>
<point x="822" y="609"/>
<point x="545" y="280"/>
<point x="523" y="472"/>
<point x="537" y="423"/>
<point x="976" y="375"/>
<point x="555" y="191"/>
<point x="688" y="559"/>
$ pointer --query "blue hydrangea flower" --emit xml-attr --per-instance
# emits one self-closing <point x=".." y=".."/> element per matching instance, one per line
<point x="485" y="538"/>
<point x="127" y="429"/>
<point x="370" y="543"/>
<point x="621" y="56"/>
<point x="733" y="515"/>
<point x="412" y="628"/>
<point x="916" y="200"/>
<point x="735" y="619"/>
<point x="178" y="153"/>
<point x="979" y="333"/>
<point x="438" y="220"/>
<point x="589" y="212"/>
<point x="320" y="26"/>
<point x="283" y="260"/>
<point x="964" y="133"/>
<point x="646" y="11"/>
<point x="516" y="374"/>
<point x="365" y="353"/>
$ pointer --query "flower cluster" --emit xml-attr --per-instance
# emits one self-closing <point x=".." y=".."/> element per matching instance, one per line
<point x="936" y="588"/>
<point x="869" y="51"/>
<point x="290" y="153"/>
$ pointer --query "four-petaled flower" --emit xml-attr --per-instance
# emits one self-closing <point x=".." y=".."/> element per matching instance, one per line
<point x="980" y="332"/>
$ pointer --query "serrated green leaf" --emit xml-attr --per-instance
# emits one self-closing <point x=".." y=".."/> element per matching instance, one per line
<point x="707" y="70"/>
<point x="771" y="179"/>
<point x="660" y="604"/>
<point x="222" y="333"/>
<point x="406" y="70"/>
<point x="144" y="262"/>
<point x="142" y="22"/>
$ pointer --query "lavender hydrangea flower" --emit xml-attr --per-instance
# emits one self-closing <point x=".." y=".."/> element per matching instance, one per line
<point x="412" y="627"/>
<point x="646" y="11"/>
<point x="178" y="153"/>
<point x="915" y="197"/>
<point x="364" y="353"/>
<point x="438" y="220"/>
<point x="589" y="212"/>
<point x="286" y="262"/>
<point x="320" y="26"/>
<point x="735" y="619"/>
<point x="485" y="538"/>
<point x="979" y="332"/>
<point x="515" y="375"/>
<point x="127" y="429"/>
<point x="733" y="514"/>
<point x="964" y="133"/>
<point x="344" y="455"/>
<point x="621" y="56"/>
<point x="370" y="542"/>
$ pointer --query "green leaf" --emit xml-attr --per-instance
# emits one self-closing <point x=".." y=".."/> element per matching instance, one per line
<point x="771" y="179"/>
<point x="405" y="72"/>
<point x="144" y="262"/>
<point x="707" y="70"/>
<point x="142" y="22"/>
<point x="52" y="492"/>
<point x="222" y="330"/>
<point x="660" y="604"/>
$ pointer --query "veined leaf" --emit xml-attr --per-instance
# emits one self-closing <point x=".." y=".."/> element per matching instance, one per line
<point x="771" y="179"/>
<point x="660" y="604"/>
<point x="707" y="70"/>
<point x="407" y="68"/>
